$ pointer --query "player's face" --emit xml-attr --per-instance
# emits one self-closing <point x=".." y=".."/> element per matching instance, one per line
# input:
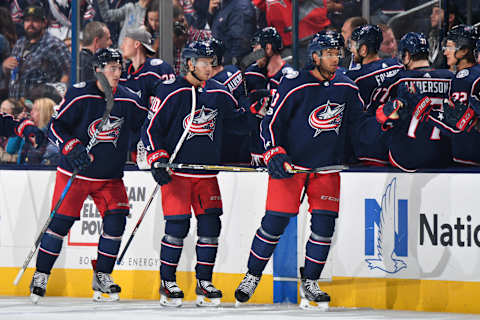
<point x="329" y="59"/>
<point x="261" y="63"/>
<point x="203" y="68"/>
<point x="112" y="72"/>
<point x="128" y="47"/>
<point x="449" y="52"/>
<point x="353" y="49"/>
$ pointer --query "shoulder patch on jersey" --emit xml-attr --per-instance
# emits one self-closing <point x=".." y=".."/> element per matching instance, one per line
<point x="463" y="73"/>
<point x="156" y="62"/>
<point x="290" y="73"/>
<point x="80" y="85"/>
<point x="169" y="81"/>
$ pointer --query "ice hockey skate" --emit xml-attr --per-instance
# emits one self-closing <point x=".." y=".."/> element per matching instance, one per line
<point x="311" y="297"/>
<point x="103" y="284"/>
<point x="246" y="288"/>
<point x="170" y="294"/>
<point x="38" y="286"/>
<point x="207" y="294"/>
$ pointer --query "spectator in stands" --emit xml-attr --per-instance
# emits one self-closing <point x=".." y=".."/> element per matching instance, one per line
<point x="152" y="23"/>
<point x="389" y="46"/>
<point x="38" y="58"/>
<point x="7" y="40"/>
<point x="18" y="7"/>
<point x="95" y="36"/>
<point x="233" y="22"/>
<point x="131" y="15"/>
<point x="13" y="108"/>
<point x="60" y="18"/>
<point x="180" y="36"/>
<point x="348" y="26"/>
<point x="113" y="26"/>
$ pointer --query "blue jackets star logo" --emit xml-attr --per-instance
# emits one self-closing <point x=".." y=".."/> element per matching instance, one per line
<point x="327" y="117"/>
<point x="110" y="131"/>
<point x="203" y="123"/>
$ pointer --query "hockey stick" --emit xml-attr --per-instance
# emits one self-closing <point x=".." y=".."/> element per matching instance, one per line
<point x="157" y="187"/>
<point x="214" y="167"/>
<point x="109" y="106"/>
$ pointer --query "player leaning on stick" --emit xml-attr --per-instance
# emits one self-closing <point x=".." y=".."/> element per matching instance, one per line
<point x="311" y="116"/>
<point x="171" y="114"/>
<point x="99" y="173"/>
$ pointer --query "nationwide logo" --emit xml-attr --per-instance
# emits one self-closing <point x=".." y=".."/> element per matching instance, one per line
<point x="386" y="231"/>
<point x="203" y="123"/>
<point x="110" y="131"/>
<point x="327" y="117"/>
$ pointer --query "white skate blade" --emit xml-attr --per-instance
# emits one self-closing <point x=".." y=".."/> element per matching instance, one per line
<point x="99" y="296"/>
<point x="35" y="298"/>
<point x="306" y="304"/>
<point x="238" y="303"/>
<point x="171" y="303"/>
<point x="203" y="301"/>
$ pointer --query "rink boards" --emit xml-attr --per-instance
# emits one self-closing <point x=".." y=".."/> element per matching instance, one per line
<point x="403" y="241"/>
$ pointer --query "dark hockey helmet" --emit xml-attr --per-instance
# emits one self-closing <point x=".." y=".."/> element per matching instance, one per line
<point x="195" y="50"/>
<point x="464" y="36"/>
<point x="218" y="49"/>
<point x="369" y="35"/>
<point x="413" y="42"/>
<point x="103" y="56"/>
<point x="325" y="40"/>
<point x="268" y="35"/>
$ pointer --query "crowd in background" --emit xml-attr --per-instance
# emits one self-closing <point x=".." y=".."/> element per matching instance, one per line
<point x="35" y="74"/>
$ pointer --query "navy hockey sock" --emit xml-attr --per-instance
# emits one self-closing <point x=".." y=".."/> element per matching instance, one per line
<point x="51" y="243"/>
<point x="318" y="245"/>
<point x="171" y="248"/>
<point x="208" y="230"/>
<point x="109" y="243"/>
<point x="265" y="241"/>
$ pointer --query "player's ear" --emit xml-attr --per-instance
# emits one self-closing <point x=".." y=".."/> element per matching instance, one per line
<point x="363" y="50"/>
<point x="268" y="48"/>
<point x="315" y="58"/>
<point x="190" y="65"/>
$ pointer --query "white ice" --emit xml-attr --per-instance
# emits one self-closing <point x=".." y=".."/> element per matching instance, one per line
<point x="55" y="308"/>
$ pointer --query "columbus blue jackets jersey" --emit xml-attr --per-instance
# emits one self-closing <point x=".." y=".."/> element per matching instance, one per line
<point x="466" y="145"/>
<point x="236" y="146"/>
<point x="78" y="117"/>
<point x="169" y="115"/>
<point x="312" y="119"/>
<point x="7" y="125"/>
<point x="258" y="78"/>
<point x="417" y="143"/>
<point x="142" y="81"/>
<point x="372" y="75"/>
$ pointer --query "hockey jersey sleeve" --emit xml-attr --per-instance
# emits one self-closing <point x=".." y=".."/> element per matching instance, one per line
<point x="66" y="116"/>
<point x="8" y="126"/>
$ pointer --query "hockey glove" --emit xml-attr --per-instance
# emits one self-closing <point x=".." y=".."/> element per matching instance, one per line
<point x="456" y="116"/>
<point x="278" y="163"/>
<point x="259" y="102"/>
<point x="76" y="154"/>
<point x="28" y="130"/>
<point x="160" y="175"/>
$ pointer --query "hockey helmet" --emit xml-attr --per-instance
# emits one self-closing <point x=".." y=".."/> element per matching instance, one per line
<point x="464" y="36"/>
<point x="325" y="40"/>
<point x="369" y="35"/>
<point x="105" y="55"/>
<point x="413" y="42"/>
<point x="268" y="35"/>
<point x="218" y="49"/>
<point x="195" y="50"/>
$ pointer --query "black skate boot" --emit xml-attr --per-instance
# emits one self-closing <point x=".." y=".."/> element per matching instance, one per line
<point x="170" y="294"/>
<point x="103" y="284"/>
<point x="311" y="296"/>
<point x="206" y="290"/>
<point x="246" y="288"/>
<point x="38" y="286"/>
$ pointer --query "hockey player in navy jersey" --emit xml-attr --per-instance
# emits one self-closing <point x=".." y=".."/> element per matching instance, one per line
<point x="413" y="142"/>
<point x="311" y="115"/>
<point x="170" y="113"/>
<point x="262" y="77"/>
<point x="370" y="73"/>
<point x="235" y="147"/>
<point x="142" y="73"/>
<point x="465" y="89"/>
<point x="100" y="172"/>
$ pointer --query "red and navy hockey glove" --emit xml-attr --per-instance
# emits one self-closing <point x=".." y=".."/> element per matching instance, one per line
<point x="30" y="132"/>
<point x="278" y="163"/>
<point x="456" y="116"/>
<point x="259" y="102"/>
<point x="160" y="175"/>
<point x="76" y="154"/>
